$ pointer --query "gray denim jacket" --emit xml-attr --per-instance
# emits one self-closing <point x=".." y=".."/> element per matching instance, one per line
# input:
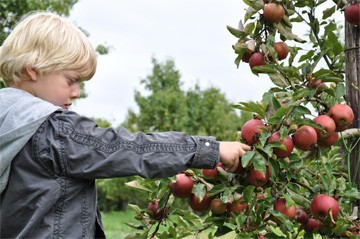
<point x="51" y="189"/>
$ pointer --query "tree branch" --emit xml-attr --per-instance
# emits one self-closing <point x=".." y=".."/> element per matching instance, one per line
<point x="350" y="133"/>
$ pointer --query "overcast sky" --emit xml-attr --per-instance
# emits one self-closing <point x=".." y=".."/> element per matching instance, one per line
<point x="192" y="33"/>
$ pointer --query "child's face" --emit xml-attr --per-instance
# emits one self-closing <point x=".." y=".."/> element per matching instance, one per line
<point x="59" y="89"/>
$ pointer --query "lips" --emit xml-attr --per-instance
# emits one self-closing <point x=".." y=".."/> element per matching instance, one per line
<point x="67" y="106"/>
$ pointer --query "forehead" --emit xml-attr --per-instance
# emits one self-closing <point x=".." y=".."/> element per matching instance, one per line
<point x="72" y="73"/>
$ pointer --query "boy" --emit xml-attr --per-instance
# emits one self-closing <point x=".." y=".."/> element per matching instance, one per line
<point x="50" y="156"/>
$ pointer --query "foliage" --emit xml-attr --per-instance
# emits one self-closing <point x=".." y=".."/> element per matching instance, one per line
<point x="291" y="103"/>
<point x="11" y="11"/>
<point x="166" y="107"/>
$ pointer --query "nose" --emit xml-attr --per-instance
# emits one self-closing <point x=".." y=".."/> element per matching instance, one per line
<point x="75" y="91"/>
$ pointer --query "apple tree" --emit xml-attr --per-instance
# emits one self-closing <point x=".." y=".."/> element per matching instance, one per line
<point x="300" y="180"/>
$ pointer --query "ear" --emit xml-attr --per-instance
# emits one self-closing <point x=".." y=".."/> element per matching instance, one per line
<point x="32" y="73"/>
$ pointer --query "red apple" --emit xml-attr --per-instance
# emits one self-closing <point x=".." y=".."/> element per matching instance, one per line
<point x="317" y="84"/>
<point x="352" y="14"/>
<point x="301" y="216"/>
<point x="257" y="59"/>
<point x="251" y="131"/>
<point x="211" y="173"/>
<point x="246" y="56"/>
<point x="155" y="214"/>
<point x="182" y="187"/>
<point x="200" y="206"/>
<point x="328" y="125"/>
<point x="240" y="169"/>
<point x="311" y="225"/>
<point x="281" y="49"/>
<point x="273" y="12"/>
<point x="217" y="207"/>
<point x="280" y="206"/>
<point x="305" y="137"/>
<point x="238" y="207"/>
<point x="287" y="142"/>
<point x="329" y="141"/>
<point x="321" y="204"/>
<point x="343" y="116"/>
<point x="257" y="178"/>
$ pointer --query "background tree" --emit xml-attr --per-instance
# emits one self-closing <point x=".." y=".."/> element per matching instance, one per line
<point x="165" y="106"/>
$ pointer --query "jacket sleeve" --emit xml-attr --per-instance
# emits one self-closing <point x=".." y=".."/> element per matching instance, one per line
<point x="75" y="146"/>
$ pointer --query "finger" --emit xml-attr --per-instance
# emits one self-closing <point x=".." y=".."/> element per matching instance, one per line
<point x="233" y="167"/>
<point x="245" y="147"/>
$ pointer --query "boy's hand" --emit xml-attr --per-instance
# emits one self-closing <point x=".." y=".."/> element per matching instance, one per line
<point x="230" y="153"/>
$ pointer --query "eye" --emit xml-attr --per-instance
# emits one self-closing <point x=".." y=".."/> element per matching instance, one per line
<point x="70" y="81"/>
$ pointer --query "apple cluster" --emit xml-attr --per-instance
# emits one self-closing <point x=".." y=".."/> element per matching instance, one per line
<point x="256" y="53"/>
<point x="305" y="137"/>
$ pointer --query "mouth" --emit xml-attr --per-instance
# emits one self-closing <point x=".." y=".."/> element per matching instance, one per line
<point x="67" y="106"/>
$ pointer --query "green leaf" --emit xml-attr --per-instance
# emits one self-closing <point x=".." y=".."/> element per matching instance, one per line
<point x="222" y="230"/>
<point x="308" y="122"/>
<point x="278" y="79"/>
<point x="318" y="57"/>
<point x="238" y="61"/>
<point x="282" y="111"/>
<point x="137" y="185"/>
<point x="298" y="198"/>
<point x="199" y="190"/>
<point x="135" y="208"/>
<point x="249" y="28"/>
<point x="246" y="158"/>
<point x="267" y="69"/>
<point x="282" y="218"/>
<point x="259" y="163"/>
<point x="217" y="189"/>
<point x="340" y="90"/>
<point x="251" y="107"/>
<point x="258" y="5"/>
<point x="307" y="56"/>
<point x="328" y="12"/>
<point x="274" y="167"/>
<point x="248" y="193"/>
<point x="352" y="192"/>
<point x="226" y="194"/>
<point x="275" y="103"/>
<point x="235" y="32"/>
<point x="301" y="110"/>
<point x="286" y="32"/>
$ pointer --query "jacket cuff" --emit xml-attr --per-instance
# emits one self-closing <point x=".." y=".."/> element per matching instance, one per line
<point x="207" y="153"/>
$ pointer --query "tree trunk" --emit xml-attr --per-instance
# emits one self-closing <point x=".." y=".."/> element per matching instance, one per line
<point x="352" y="46"/>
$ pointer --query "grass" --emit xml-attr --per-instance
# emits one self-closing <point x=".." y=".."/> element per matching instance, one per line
<point x="114" y="223"/>
<point x="116" y="228"/>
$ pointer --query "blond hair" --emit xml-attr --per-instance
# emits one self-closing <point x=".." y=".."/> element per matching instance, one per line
<point x="46" y="43"/>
